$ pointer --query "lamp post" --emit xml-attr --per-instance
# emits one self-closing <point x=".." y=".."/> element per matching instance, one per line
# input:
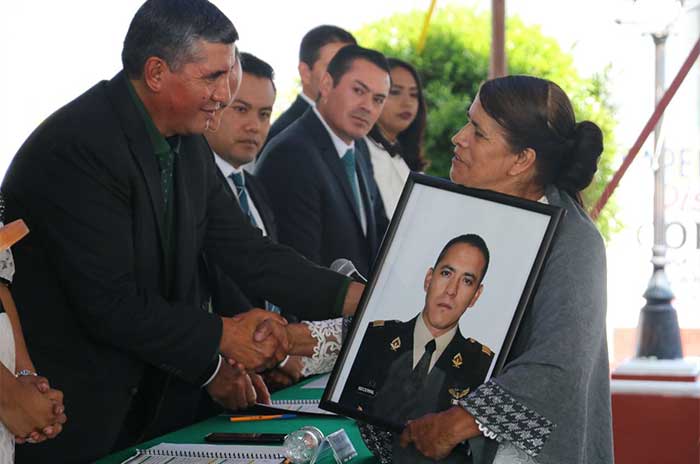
<point x="658" y="332"/>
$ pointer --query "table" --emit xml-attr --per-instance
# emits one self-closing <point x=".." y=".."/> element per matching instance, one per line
<point x="195" y="433"/>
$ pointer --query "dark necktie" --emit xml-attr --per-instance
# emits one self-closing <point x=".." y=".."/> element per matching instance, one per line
<point x="166" y="160"/>
<point x="239" y="182"/>
<point x="348" y="160"/>
<point x="420" y="372"/>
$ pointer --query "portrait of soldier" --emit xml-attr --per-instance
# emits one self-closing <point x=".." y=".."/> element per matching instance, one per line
<point x="404" y="370"/>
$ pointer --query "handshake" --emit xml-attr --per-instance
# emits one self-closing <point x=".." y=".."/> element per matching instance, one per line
<point x="251" y="342"/>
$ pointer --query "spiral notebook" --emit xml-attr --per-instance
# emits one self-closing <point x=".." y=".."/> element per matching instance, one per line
<point x="171" y="453"/>
<point x="300" y="406"/>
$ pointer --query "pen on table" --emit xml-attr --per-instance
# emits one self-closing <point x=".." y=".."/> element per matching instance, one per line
<point x="261" y="418"/>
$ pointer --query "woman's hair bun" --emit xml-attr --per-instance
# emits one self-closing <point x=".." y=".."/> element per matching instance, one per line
<point x="582" y="162"/>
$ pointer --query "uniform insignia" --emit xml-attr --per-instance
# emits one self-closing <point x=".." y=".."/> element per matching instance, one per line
<point x="377" y="323"/>
<point x="485" y="349"/>
<point x="458" y="394"/>
<point x="395" y="344"/>
<point x="457" y="360"/>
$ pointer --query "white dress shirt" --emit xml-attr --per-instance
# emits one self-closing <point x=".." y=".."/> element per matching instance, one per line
<point x="308" y="100"/>
<point x="390" y="173"/>
<point x="422" y="335"/>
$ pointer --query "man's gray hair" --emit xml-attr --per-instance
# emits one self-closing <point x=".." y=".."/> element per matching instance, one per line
<point x="171" y="30"/>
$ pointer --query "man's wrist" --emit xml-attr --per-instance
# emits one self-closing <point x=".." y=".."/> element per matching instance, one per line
<point x="213" y="370"/>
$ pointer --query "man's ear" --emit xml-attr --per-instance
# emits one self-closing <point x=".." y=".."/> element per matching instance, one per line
<point x="304" y="73"/>
<point x="476" y="296"/>
<point x="154" y="72"/>
<point x="523" y="161"/>
<point x="325" y="87"/>
<point x="428" y="278"/>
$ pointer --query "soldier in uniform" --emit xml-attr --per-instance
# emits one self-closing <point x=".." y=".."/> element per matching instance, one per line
<point x="404" y="370"/>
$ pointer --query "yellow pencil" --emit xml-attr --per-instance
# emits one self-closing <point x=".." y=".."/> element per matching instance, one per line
<point x="261" y="418"/>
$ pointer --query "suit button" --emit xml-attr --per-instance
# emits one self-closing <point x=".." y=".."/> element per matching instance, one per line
<point x="133" y="391"/>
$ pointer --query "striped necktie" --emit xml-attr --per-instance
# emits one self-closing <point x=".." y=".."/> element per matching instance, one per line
<point x="242" y="193"/>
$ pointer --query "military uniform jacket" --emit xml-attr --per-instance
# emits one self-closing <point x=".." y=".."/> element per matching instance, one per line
<point x="380" y="382"/>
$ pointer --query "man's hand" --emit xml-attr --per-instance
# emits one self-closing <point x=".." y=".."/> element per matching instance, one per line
<point x="234" y="388"/>
<point x="30" y="414"/>
<point x="256" y="339"/>
<point x="352" y="298"/>
<point x="436" y="435"/>
<point x="284" y="376"/>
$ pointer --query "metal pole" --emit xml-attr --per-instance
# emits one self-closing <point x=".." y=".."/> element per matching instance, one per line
<point x="497" y="65"/>
<point x="659" y="334"/>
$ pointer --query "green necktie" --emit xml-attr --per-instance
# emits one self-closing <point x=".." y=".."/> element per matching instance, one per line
<point x="348" y="160"/>
<point x="239" y="182"/>
<point x="166" y="160"/>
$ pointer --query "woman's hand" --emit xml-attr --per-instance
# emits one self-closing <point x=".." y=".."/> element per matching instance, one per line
<point x="29" y="413"/>
<point x="436" y="435"/>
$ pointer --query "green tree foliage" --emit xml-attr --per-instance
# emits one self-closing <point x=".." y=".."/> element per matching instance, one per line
<point x="455" y="61"/>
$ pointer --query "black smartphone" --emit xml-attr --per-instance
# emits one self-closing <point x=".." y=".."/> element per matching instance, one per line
<point x="257" y="438"/>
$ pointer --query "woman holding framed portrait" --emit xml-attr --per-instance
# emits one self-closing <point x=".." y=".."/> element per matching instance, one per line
<point x="551" y="402"/>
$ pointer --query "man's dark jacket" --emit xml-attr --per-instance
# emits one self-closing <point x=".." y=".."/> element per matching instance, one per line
<point x="90" y="279"/>
<point x="291" y="114"/>
<point x="312" y="198"/>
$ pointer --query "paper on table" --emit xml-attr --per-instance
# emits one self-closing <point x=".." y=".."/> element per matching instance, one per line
<point x="298" y="406"/>
<point x="320" y="382"/>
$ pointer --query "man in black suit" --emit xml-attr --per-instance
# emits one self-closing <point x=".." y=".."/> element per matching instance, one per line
<point x="404" y="370"/>
<point x="121" y="208"/>
<point x="240" y="135"/>
<point x="321" y="192"/>
<point x="318" y="47"/>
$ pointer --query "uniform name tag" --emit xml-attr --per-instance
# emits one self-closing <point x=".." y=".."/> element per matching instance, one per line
<point x="369" y="391"/>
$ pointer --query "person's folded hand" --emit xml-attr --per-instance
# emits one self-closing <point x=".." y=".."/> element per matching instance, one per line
<point x="34" y="411"/>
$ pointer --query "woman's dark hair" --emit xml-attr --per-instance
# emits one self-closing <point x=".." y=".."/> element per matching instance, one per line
<point x="410" y="141"/>
<point x="537" y="114"/>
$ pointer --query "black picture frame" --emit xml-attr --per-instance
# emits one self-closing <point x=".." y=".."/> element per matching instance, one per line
<point x="430" y="212"/>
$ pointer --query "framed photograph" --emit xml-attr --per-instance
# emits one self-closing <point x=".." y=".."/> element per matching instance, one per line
<point x="453" y="277"/>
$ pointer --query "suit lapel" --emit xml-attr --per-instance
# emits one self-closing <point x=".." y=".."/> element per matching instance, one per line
<point x="185" y="232"/>
<point x="449" y="358"/>
<point x="362" y="178"/>
<point x="259" y="199"/>
<point x="140" y="145"/>
<point x="330" y="156"/>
